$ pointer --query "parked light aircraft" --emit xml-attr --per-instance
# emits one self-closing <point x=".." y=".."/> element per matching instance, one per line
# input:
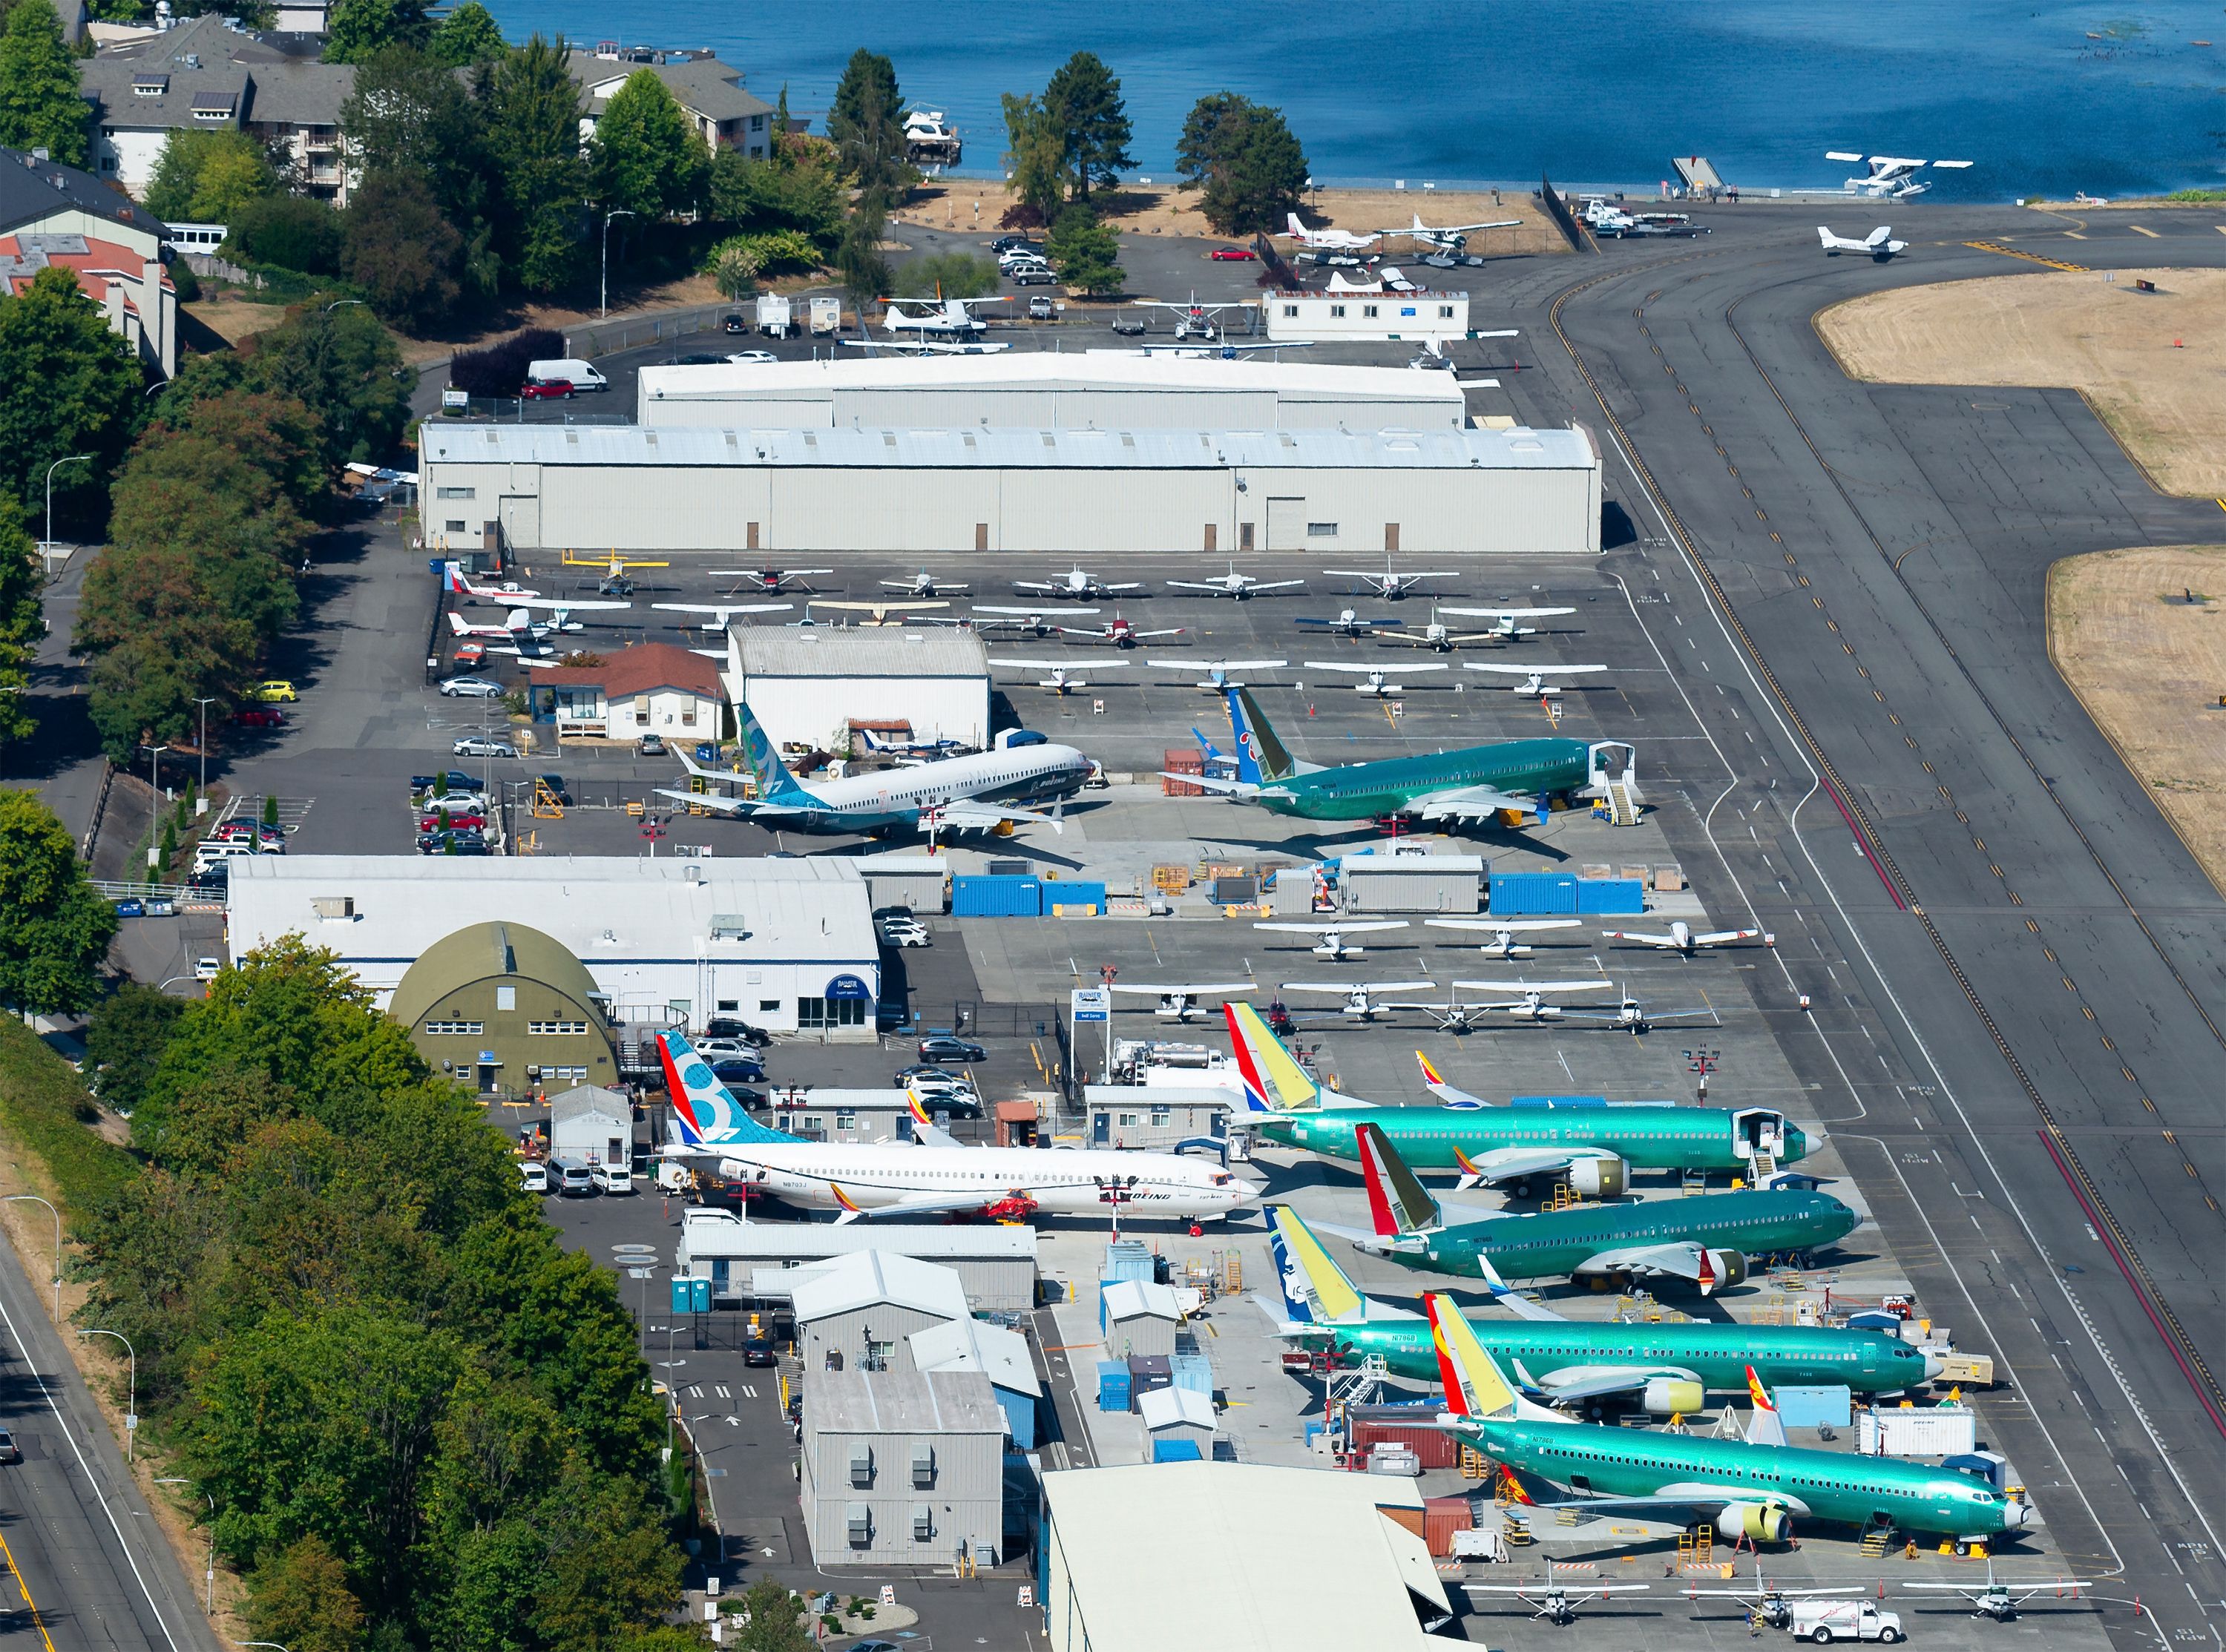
<point x="1683" y="938"/>
<point x="1360" y="1003"/>
<point x="1892" y="177"/>
<point x="1555" y="1602"/>
<point x="936" y="319"/>
<point x="1438" y="636"/>
<point x="1634" y="1017"/>
<point x="1120" y="631"/>
<point x="1082" y="586"/>
<point x="1218" y="673"/>
<point x="614" y="566"/>
<point x="1329" y="938"/>
<point x="1879" y="245"/>
<point x="770" y="580"/>
<point x="1452" y="237"/>
<point x="1534" y="679"/>
<point x="1391" y="585"/>
<point x="1374" y="679"/>
<point x="1065" y="675"/>
<point x="957" y="793"/>
<point x="1531" y="1006"/>
<point x="881" y="609"/>
<point x="917" y="347"/>
<point x="1350" y="624"/>
<point x="1237" y="585"/>
<point x="1469" y="783"/>
<point x="456" y="581"/>
<point x="1331" y="240"/>
<point x="1503" y="930"/>
<point x="924" y="584"/>
<point x="1999" y="1600"/>
<point x="1744" y="1488"/>
<point x="865" y="1180"/>
<point x="1194" y="320"/>
<point x="561" y="610"/>
<point x="1505" y="622"/>
<point x="1760" y="1598"/>
<point x="1180" y="1003"/>
<point x="519" y="623"/>
<point x="1032" y="622"/>
<point x="715" y="615"/>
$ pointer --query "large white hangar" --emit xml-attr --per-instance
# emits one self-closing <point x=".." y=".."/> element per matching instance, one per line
<point x="812" y="684"/>
<point x="1047" y="390"/>
<point x="631" y="489"/>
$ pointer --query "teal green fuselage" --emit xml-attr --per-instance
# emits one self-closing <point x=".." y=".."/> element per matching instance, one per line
<point x="1869" y="1361"/>
<point x="1371" y="791"/>
<point x="1647" y="1138"/>
<point x="1832" y="1485"/>
<point x="1555" y="1243"/>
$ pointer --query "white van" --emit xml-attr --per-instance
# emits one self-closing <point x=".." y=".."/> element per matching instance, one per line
<point x="571" y="1178"/>
<point x="207" y="854"/>
<point x="579" y="374"/>
<point x="611" y="1178"/>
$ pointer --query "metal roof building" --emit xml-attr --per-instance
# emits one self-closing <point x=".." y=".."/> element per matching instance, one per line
<point x="902" y="1466"/>
<point x="782" y="942"/>
<point x="507" y="1009"/>
<point x="1047" y="390"/>
<point x="996" y="1265"/>
<point x="858" y="1310"/>
<point x="808" y="684"/>
<point x="630" y="489"/>
<point x="1260" y="1535"/>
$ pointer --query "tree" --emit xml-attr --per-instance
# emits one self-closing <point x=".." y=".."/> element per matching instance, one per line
<point x="39" y="107"/>
<point x="361" y="28"/>
<point x="125" y="1039"/>
<point x="20" y="620"/>
<point x="209" y="177"/>
<point x="865" y="123"/>
<point x="57" y="927"/>
<point x="300" y="1599"/>
<point x="72" y="388"/>
<point x="1245" y="159"/>
<point x="409" y="112"/>
<point x="801" y="193"/>
<point x="771" y="1620"/>
<point x="1083" y="103"/>
<point x="947" y="275"/>
<point x="734" y="267"/>
<point x="1035" y="153"/>
<point x="398" y="247"/>
<point x="292" y="231"/>
<point x="1084" y="252"/>
<point x="858" y="258"/>
<point x="647" y="157"/>
<point x="346" y="369"/>
<point x="468" y="35"/>
<point x="533" y="140"/>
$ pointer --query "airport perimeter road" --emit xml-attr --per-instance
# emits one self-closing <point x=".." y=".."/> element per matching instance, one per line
<point x="2019" y="1053"/>
<point x="88" y="1571"/>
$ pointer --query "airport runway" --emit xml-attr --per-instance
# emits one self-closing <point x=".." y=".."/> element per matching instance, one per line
<point x="2021" y="1060"/>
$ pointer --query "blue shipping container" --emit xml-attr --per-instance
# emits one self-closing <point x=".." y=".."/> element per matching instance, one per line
<point x="1061" y="891"/>
<point x="987" y="897"/>
<point x="1514" y="894"/>
<point x="1112" y="1385"/>
<point x="1176" y="1450"/>
<point x="1128" y="1259"/>
<point x="1611" y="896"/>
<point x="1102" y="1284"/>
<point x="1193" y="1371"/>
<point x="1829" y="1407"/>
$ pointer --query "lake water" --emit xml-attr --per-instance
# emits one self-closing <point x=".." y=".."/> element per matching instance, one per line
<point x="2045" y="99"/>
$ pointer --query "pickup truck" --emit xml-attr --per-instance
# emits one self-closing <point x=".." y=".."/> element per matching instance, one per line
<point x="1826" y="1620"/>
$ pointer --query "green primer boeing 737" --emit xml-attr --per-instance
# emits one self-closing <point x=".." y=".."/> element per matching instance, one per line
<point x="1665" y="1367"/>
<point x="1752" y="1489"/>
<point x="1470" y="783"/>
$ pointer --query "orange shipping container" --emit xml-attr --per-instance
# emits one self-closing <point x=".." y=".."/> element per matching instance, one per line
<point x="1442" y="1518"/>
<point x="1433" y="1447"/>
<point x="1186" y="761"/>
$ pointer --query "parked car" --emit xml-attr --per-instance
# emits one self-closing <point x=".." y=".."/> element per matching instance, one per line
<point x="453" y="820"/>
<point x="1035" y="275"/>
<point x="10" y="1451"/>
<point x="457" y="780"/>
<point x="903" y="934"/>
<point x="230" y="830"/>
<point x="477" y="746"/>
<point x="699" y="361"/>
<point x="726" y="1026"/>
<point x="533" y="1177"/>
<point x="651" y="745"/>
<point x="1231" y="254"/>
<point x="734" y="322"/>
<point x="754" y="1100"/>
<point x="751" y="357"/>
<point x="545" y="390"/>
<point x="471" y="688"/>
<point x="926" y="1074"/>
<point x="953" y="1104"/>
<point x="759" y="1352"/>
<point x="274" y="690"/>
<point x="1004" y="243"/>
<point x="727" y="1049"/>
<point x="739" y="1069"/>
<point x="1042" y="309"/>
<point x="470" y="656"/>
<point x="259" y="717"/>
<point x="267" y="835"/>
<point x="947" y="1046"/>
<point x="208" y="969"/>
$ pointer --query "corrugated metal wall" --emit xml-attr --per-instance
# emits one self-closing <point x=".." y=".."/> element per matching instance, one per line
<point x="966" y="1502"/>
<point x="817" y="708"/>
<point x="1118" y="408"/>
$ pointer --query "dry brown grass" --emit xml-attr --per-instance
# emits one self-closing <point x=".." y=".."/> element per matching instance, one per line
<point x="2150" y="668"/>
<point x="2149" y="363"/>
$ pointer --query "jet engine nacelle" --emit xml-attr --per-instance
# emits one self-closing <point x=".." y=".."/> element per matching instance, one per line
<point x="1598" y="1178"/>
<point x="1757" y="1523"/>
<point x="1672" y="1396"/>
<point x="1729" y="1266"/>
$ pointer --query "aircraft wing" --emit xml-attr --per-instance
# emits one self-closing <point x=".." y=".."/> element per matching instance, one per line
<point x="970" y="816"/>
<point x="1214" y="784"/>
<point x="1209" y="989"/>
<point x="1469" y="802"/>
<point x="1680" y="1260"/>
<point x="1275" y="585"/>
<point x="1724" y="937"/>
<point x="1370" y="671"/>
<point x="1590" y="1382"/>
<point x="1518" y="1164"/>
<point x="1212" y="665"/>
<point x="1530" y="670"/>
<point x="1062" y="610"/>
<point x="1504" y="613"/>
<point x="744" y="808"/>
<point x="1198" y="585"/>
<point x="698" y="608"/>
<point x="521" y="601"/>
<point x="914" y="1204"/>
<point x="1634" y="935"/>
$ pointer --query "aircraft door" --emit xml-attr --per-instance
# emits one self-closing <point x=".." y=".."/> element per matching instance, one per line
<point x="1758" y="1130"/>
<point x="1609" y="761"/>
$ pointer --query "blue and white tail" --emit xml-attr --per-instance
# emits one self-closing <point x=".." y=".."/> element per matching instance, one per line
<point x="704" y="1110"/>
<point x="775" y="783"/>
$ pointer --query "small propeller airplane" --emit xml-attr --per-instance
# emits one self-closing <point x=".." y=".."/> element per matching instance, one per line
<point x="1534" y="680"/>
<point x="1531" y="1004"/>
<point x="1360" y="1004"/>
<point x="1194" y="320"/>
<point x="936" y="319"/>
<point x="1329" y="938"/>
<point x="1320" y="241"/>
<point x="456" y="581"/>
<point x="1892" y="177"/>
<point x="1773" y="1606"/>
<point x="1030" y="622"/>
<point x="1683" y="938"/>
<point x="560" y="611"/>
<point x="1436" y="636"/>
<point x="1065" y="675"/>
<point x="716" y="614"/>
<point x="1218" y="673"/>
<point x="769" y="581"/>
<point x="922" y="583"/>
<point x="1235" y="585"/>
<point x="1180" y="1003"/>
<point x="1879" y="245"/>
<point x="1632" y="1016"/>
<point x="1557" y="1603"/>
<point x="880" y="610"/>
<point x="1350" y="624"/>
<point x="1449" y="241"/>
<point x="1999" y="1600"/>
<point x="1077" y="584"/>
<point x="1505" y="622"/>
<point x="612" y="580"/>
<point x="1389" y="585"/>
<point x="1119" y="632"/>
<point x="1453" y="1016"/>
<point x="1373" y="680"/>
<point x="1504" y="930"/>
<point x="518" y="621"/>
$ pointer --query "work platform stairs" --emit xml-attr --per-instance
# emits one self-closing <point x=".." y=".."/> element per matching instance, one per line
<point x="1622" y="803"/>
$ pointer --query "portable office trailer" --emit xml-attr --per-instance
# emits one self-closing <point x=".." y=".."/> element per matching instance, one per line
<point x="1411" y="883"/>
<point x="1157" y="1117"/>
<point x="902" y="1468"/>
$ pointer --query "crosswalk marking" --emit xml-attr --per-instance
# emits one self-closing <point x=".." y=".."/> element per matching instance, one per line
<point x="748" y="1392"/>
<point x="695" y="1390"/>
<point x="723" y="1394"/>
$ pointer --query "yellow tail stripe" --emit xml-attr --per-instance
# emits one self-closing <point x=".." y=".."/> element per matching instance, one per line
<point x="1333" y="1292"/>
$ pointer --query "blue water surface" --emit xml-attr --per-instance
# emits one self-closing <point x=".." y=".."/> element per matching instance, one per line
<point x="2046" y="99"/>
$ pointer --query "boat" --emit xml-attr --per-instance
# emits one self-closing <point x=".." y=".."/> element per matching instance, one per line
<point x="929" y="137"/>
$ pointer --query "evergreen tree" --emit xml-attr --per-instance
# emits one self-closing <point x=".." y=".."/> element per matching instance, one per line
<point x="67" y="386"/>
<point x="1244" y="160"/>
<point x="1086" y="254"/>
<point x="1083" y="103"/>
<point x="398" y="248"/>
<point x="361" y="28"/>
<point x="39" y="108"/>
<point x="867" y="125"/>
<point x="409" y="112"/>
<point x="1034" y="158"/>
<point x="20" y="629"/>
<point x="647" y="155"/>
<point x="58" y="926"/>
<point x="533" y="140"/>
<point x="466" y="35"/>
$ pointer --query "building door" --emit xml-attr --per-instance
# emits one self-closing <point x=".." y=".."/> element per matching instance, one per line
<point x="489" y="1076"/>
<point x="521" y="521"/>
<point x="1391" y="537"/>
<point x="752" y="535"/>
<point x="1243" y="535"/>
<point x="1286" y="525"/>
<point x="1212" y="537"/>
<point x="981" y="535"/>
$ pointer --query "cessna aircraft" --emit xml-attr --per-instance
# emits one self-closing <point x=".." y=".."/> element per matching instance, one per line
<point x="864" y="1180"/>
<point x="1032" y="622"/>
<point x="1452" y="239"/>
<point x="1556" y="1603"/>
<point x="613" y="581"/>
<point x="1373" y="679"/>
<point x="770" y="579"/>
<point x="936" y="319"/>
<point x="1330" y="938"/>
<point x="1879" y="244"/>
<point x="1505" y="622"/>
<point x="1892" y="177"/>
<point x="1998" y="1600"/>
<point x="1504" y="930"/>
<point x="560" y="611"/>
<point x="1350" y="624"/>
<point x="519" y="623"/>
<point x="1194" y="320"/>
<point x="1388" y="584"/>
<point x="924" y="584"/>
<point x="716" y="614"/>
<point x="1437" y="635"/>
<point x="1234" y="584"/>
<point x="1359" y="1003"/>
<point x="1318" y="242"/>
<point x="1119" y="630"/>
<point x="1079" y="585"/>
<point x="1535" y="679"/>
<point x="880" y="608"/>
<point x="1532" y="1005"/>
<point x="1065" y="675"/>
<point x="1683" y="938"/>
<point x="1632" y="1016"/>
<point x="1180" y="1003"/>
<point x="456" y="581"/>
<point x="1773" y="1606"/>
<point x="1218" y="672"/>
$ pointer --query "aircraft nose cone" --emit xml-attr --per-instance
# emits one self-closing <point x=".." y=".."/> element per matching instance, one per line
<point x="2020" y="1515"/>
<point x="1933" y="1366"/>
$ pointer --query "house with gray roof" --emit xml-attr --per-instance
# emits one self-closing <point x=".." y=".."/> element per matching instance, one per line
<point x="726" y="113"/>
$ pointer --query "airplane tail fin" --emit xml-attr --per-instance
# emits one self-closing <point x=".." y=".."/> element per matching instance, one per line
<point x="1260" y="755"/>
<point x="1274" y="1083"/>
<point x="1297" y="228"/>
<point x="705" y="1111"/>
<point x="1213" y="758"/>
<point x="1398" y="1201"/>
<point x="1475" y="1389"/>
<point x="1764" y="1426"/>
<point x="452" y="578"/>
<point x="775" y="783"/>
<point x="1434" y="1082"/>
<point x="1315" y="1287"/>
<point x="1824" y="235"/>
<point x="456" y="626"/>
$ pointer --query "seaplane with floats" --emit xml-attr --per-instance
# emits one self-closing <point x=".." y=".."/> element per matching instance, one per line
<point x="1193" y="319"/>
<point x="1448" y="244"/>
<point x="1332" y="246"/>
<point x="1891" y="177"/>
<point x="936" y="320"/>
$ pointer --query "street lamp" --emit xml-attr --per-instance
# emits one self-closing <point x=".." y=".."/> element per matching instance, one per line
<point x="75" y="458"/>
<point x="205" y="704"/>
<point x="131" y="1405"/>
<point x="605" y="306"/>
<point x="154" y="797"/>
<point x="57" y="1215"/>
<point x="210" y="1605"/>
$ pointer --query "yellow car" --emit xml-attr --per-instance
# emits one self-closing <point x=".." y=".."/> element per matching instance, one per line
<point x="273" y="692"/>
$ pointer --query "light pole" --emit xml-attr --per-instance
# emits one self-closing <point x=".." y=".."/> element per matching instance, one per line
<point x="209" y="1606"/>
<point x="75" y="458"/>
<point x="131" y="1405"/>
<point x="604" y="307"/>
<point x="205" y="705"/>
<point x="57" y="1215"/>
<point x="154" y="798"/>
